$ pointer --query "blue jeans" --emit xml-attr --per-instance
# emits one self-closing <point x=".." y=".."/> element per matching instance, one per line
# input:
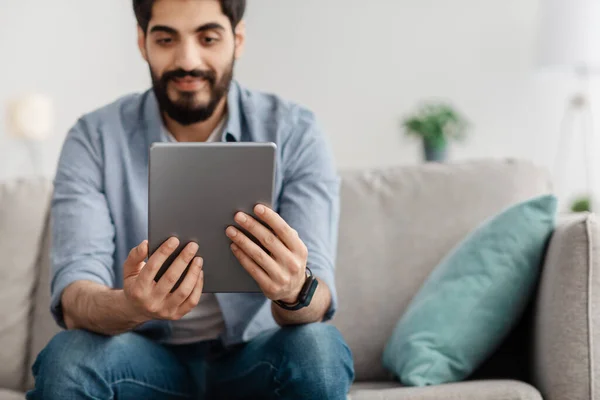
<point x="300" y="362"/>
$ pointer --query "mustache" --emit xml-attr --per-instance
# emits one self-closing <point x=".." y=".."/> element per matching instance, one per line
<point x="210" y="76"/>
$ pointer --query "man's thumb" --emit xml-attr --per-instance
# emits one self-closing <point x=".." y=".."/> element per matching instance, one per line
<point x="134" y="263"/>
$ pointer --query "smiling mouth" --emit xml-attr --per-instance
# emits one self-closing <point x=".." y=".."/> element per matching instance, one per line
<point x="189" y="84"/>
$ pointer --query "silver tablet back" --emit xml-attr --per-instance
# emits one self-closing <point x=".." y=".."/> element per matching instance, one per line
<point x="195" y="189"/>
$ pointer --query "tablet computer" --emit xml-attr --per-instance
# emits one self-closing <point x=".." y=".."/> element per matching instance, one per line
<point x="194" y="191"/>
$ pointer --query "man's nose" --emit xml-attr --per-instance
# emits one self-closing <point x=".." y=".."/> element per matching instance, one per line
<point x="189" y="56"/>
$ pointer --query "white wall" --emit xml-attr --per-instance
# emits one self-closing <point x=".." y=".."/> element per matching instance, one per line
<point x="82" y="53"/>
<point x="360" y="65"/>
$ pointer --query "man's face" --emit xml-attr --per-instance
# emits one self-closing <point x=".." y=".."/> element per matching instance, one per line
<point x="190" y="48"/>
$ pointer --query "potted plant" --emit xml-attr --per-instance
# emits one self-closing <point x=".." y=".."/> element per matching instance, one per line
<point x="436" y="124"/>
<point x="581" y="204"/>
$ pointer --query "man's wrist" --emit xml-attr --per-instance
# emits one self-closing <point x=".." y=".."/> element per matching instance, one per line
<point x="129" y="311"/>
<point x="293" y="299"/>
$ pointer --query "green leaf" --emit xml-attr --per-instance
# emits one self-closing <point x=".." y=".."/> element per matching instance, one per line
<point x="436" y="123"/>
<point x="582" y="204"/>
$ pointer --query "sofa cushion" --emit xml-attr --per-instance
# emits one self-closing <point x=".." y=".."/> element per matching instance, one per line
<point x="11" y="395"/>
<point x="23" y="210"/>
<point x="473" y="298"/>
<point x="396" y="225"/>
<point x="480" y="390"/>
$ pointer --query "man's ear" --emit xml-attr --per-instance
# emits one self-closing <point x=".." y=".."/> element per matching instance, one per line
<point x="239" y="37"/>
<point x="142" y="43"/>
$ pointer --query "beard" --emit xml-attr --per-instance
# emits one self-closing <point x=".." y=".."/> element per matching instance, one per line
<point x="186" y="110"/>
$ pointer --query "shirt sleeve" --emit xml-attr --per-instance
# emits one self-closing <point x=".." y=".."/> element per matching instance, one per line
<point x="309" y="200"/>
<point x="82" y="229"/>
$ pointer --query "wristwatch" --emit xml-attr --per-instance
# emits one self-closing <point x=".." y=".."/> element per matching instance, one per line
<point x="305" y="295"/>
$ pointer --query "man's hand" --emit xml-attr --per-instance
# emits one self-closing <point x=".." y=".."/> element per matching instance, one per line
<point x="280" y="274"/>
<point x="95" y="307"/>
<point x="154" y="300"/>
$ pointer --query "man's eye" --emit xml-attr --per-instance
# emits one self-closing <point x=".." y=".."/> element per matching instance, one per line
<point x="164" y="41"/>
<point x="209" y="40"/>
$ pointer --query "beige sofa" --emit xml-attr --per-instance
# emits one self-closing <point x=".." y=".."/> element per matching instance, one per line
<point x="396" y="224"/>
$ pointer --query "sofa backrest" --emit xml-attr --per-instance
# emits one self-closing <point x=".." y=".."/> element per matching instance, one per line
<point x="396" y="224"/>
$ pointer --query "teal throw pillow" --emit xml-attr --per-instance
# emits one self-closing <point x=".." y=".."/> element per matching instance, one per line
<point x="473" y="298"/>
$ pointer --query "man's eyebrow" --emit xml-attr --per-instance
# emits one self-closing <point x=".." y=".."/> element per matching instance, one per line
<point x="163" y="28"/>
<point x="202" y="28"/>
<point x="210" y="26"/>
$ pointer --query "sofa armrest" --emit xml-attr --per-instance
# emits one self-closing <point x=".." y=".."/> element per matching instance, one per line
<point x="566" y="313"/>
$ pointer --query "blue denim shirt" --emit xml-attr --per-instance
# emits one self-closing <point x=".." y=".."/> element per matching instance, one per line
<point x="100" y="201"/>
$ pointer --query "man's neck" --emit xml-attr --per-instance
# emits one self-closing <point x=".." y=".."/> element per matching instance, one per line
<point x="198" y="132"/>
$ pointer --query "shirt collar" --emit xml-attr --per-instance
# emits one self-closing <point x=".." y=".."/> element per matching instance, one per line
<point x="233" y="128"/>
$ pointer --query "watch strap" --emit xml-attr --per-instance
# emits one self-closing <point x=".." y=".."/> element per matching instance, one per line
<point x="305" y="296"/>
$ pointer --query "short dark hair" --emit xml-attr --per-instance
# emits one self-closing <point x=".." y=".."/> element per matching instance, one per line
<point x="233" y="9"/>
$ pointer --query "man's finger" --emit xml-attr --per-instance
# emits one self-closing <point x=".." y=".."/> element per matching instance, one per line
<point x="281" y="228"/>
<point x="264" y="235"/>
<point x="157" y="260"/>
<point x="255" y="271"/>
<point x="194" y="297"/>
<point x="176" y="299"/>
<point x="168" y="280"/>
<point x="258" y="255"/>
<point x="134" y="262"/>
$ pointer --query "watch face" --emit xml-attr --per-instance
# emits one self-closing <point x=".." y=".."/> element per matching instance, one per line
<point x="311" y="290"/>
<point x="305" y="295"/>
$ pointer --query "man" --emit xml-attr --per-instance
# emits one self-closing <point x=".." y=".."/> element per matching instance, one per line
<point x="129" y="337"/>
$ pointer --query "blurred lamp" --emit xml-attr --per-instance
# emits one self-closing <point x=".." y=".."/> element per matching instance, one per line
<point x="570" y="36"/>
<point x="30" y="118"/>
<point x="569" y="42"/>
